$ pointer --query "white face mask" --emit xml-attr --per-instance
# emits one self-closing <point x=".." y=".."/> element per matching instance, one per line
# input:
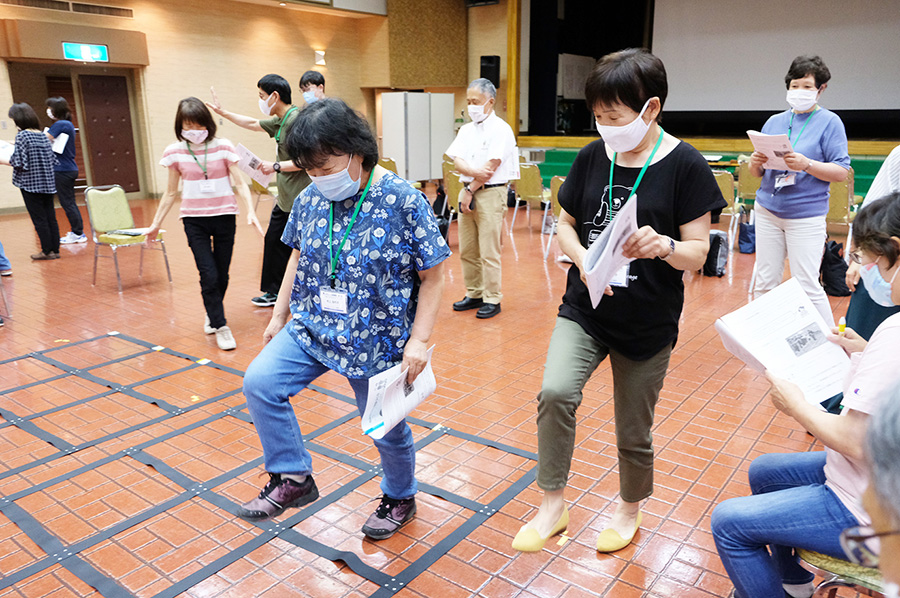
<point x="476" y="113"/>
<point x="309" y="97"/>
<point x="627" y="137"/>
<point x="50" y="113"/>
<point x="196" y="136"/>
<point x="802" y="100"/>
<point x="264" y="105"/>
<point x="879" y="289"/>
<point x="338" y="186"/>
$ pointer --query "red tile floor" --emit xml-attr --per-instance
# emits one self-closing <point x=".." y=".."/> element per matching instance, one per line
<point x="134" y="496"/>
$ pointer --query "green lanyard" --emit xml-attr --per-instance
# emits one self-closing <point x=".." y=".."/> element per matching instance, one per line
<point x="803" y="128"/>
<point x="334" y="256"/>
<point x="640" y="174"/>
<point x="283" y="120"/>
<point x="202" y="166"/>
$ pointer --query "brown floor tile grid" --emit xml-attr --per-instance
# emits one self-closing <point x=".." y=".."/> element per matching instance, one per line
<point x="489" y="374"/>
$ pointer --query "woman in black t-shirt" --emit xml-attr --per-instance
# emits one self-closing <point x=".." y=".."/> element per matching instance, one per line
<point x="636" y="322"/>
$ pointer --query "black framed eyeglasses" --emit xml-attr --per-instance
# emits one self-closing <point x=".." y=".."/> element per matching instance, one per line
<point x="863" y="544"/>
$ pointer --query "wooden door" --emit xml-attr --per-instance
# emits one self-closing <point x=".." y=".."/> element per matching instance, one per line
<point x="62" y="87"/>
<point x="107" y="126"/>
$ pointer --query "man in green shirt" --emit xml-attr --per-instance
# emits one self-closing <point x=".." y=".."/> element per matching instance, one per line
<point x="275" y="103"/>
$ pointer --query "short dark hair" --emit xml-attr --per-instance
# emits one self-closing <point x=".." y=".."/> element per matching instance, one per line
<point x="194" y="110"/>
<point x="312" y="78"/>
<point x="326" y="128"/>
<point x="629" y="77"/>
<point x="274" y="82"/>
<point x="874" y="226"/>
<point x="23" y="115"/>
<point x="808" y="65"/>
<point x="60" y="108"/>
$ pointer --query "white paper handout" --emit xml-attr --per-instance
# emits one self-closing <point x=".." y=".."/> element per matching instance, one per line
<point x="131" y="232"/>
<point x="774" y="147"/>
<point x="6" y="150"/>
<point x="783" y="332"/>
<point x="59" y="143"/>
<point x="249" y="163"/>
<point x="391" y="398"/>
<point x="604" y="259"/>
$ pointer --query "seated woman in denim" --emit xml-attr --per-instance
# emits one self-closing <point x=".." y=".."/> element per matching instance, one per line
<point x="805" y="500"/>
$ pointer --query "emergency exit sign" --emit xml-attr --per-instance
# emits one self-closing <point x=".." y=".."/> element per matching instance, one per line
<point x="85" y="52"/>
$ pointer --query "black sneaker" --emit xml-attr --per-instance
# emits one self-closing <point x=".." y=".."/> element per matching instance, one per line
<point x="391" y="515"/>
<point x="279" y="494"/>
<point x="265" y="300"/>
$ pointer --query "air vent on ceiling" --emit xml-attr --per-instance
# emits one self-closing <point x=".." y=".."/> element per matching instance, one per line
<point x="96" y="9"/>
<point x="49" y="4"/>
<point x="79" y="7"/>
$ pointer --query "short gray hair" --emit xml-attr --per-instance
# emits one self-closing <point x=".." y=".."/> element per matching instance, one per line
<point x="484" y="86"/>
<point x="883" y="449"/>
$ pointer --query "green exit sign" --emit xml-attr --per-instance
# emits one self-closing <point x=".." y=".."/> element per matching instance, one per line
<point x="85" y="52"/>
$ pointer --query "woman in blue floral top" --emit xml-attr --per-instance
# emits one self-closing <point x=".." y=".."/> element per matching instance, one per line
<point x="360" y="295"/>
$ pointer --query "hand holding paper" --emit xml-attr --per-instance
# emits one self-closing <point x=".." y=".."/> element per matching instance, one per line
<point x="250" y="163"/>
<point x="391" y="397"/>
<point x="775" y="147"/>
<point x="604" y="259"/>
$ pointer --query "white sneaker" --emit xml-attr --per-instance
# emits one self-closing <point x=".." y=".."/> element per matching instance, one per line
<point x="206" y="327"/>
<point x="225" y="339"/>
<point x="72" y="238"/>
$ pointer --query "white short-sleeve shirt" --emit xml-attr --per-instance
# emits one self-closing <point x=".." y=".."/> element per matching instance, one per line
<point x="491" y="139"/>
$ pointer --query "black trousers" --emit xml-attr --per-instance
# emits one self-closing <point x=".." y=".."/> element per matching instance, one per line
<point x="275" y="253"/>
<point x="65" y="191"/>
<point x="211" y="239"/>
<point x="43" y="216"/>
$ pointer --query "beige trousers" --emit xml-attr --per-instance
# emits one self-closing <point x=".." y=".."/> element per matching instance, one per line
<point x="479" y="244"/>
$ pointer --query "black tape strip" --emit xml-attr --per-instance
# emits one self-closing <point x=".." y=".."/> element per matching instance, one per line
<point x="333" y="394"/>
<point x="492" y="443"/>
<point x="51" y="545"/>
<point x="28" y="426"/>
<point x="351" y="559"/>
<point x="451" y="497"/>
<point x="329" y="427"/>
<point x="342" y="457"/>
<point x="174" y="353"/>
<point x="59" y="408"/>
<point x="36" y="383"/>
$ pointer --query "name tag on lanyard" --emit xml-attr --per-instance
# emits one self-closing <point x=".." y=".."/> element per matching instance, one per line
<point x="207" y="186"/>
<point x="785" y="180"/>
<point x="333" y="300"/>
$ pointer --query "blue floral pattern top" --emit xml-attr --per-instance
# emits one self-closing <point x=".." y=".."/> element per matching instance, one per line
<point x="395" y="236"/>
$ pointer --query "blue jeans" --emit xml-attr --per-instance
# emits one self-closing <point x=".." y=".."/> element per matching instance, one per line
<point x="790" y="507"/>
<point x="4" y="262"/>
<point x="281" y="370"/>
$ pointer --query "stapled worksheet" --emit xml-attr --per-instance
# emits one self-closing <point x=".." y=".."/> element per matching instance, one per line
<point x="392" y="398"/>
<point x="784" y="333"/>
<point x="604" y="261"/>
<point x="774" y="147"/>
<point x="250" y="163"/>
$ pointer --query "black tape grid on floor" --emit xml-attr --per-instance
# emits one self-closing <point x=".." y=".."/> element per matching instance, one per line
<point x="68" y="556"/>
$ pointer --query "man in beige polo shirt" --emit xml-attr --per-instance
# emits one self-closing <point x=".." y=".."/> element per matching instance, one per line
<point x="484" y="152"/>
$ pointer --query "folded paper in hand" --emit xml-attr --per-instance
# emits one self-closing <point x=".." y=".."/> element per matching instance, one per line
<point x="6" y="150"/>
<point x="59" y="143"/>
<point x="774" y="147"/>
<point x="784" y="333"/>
<point x="250" y="163"/>
<point x="391" y="398"/>
<point x="604" y="258"/>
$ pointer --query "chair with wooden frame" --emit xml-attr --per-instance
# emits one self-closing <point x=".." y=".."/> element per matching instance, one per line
<point x="725" y="180"/>
<point x="530" y="189"/>
<point x="555" y="183"/>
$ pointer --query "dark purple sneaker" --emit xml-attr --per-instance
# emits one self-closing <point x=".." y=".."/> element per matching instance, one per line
<point x="278" y="495"/>
<point x="391" y="515"/>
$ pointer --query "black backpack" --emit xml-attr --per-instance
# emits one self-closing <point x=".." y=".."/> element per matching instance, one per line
<point x="833" y="272"/>
<point x="717" y="258"/>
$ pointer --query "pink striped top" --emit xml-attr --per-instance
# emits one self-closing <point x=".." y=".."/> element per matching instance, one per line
<point x="209" y="195"/>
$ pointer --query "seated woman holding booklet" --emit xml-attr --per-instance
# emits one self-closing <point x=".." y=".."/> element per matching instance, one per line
<point x="805" y="500"/>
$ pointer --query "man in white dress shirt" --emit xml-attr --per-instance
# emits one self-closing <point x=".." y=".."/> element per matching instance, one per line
<point x="484" y="152"/>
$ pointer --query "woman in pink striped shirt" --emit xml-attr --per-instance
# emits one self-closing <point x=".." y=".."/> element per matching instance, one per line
<point x="206" y="167"/>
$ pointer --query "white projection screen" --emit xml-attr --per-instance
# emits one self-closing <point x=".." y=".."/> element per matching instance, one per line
<point x="727" y="55"/>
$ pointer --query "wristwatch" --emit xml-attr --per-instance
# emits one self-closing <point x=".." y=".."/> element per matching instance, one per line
<point x="466" y="187"/>
<point x="276" y="166"/>
<point x="671" y="249"/>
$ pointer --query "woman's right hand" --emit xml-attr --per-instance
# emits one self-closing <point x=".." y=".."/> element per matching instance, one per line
<point x="275" y="325"/>
<point x="852" y="277"/>
<point x="850" y="341"/>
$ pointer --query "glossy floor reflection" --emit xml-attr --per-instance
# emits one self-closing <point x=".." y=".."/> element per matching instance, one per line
<point x="712" y="420"/>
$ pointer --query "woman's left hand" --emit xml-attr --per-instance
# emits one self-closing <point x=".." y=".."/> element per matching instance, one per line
<point x="646" y="243"/>
<point x="415" y="357"/>
<point x="785" y="394"/>
<point x="252" y="219"/>
<point x="797" y="161"/>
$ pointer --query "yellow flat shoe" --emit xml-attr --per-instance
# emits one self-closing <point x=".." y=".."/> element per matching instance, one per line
<point x="529" y="540"/>
<point x="611" y="541"/>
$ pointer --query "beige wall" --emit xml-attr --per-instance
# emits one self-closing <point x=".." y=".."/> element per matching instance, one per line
<point x="487" y="36"/>
<point x="195" y="44"/>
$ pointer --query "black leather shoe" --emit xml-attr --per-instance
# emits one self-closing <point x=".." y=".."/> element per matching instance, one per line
<point x="467" y="303"/>
<point x="488" y="310"/>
